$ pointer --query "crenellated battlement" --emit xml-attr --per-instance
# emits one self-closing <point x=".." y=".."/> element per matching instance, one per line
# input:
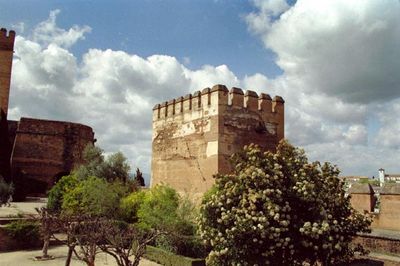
<point x="7" y="40"/>
<point x="219" y="95"/>
<point x="194" y="136"/>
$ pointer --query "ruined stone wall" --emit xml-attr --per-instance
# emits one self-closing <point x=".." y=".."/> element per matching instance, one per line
<point x="193" y="136"/>
<point x="45" y="149"/>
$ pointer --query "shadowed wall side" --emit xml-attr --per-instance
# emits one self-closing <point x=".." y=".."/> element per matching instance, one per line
<point x="6" y="55"/>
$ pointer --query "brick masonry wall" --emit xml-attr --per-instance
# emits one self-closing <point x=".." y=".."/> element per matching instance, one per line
<point x="45" y="149"/>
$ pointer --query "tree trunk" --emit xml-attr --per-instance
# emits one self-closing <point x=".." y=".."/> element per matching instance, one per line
<point x="46" y="242"/>
<point x="69" y="256"/>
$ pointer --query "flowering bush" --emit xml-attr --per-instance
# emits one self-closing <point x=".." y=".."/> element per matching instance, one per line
<point x="278" y="209"/>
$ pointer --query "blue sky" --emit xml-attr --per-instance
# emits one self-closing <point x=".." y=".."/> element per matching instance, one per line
<point x="106" y="63"/>
<point x="203" y="31"/>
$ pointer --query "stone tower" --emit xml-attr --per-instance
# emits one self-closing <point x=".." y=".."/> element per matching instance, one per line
<point x="194" y="136"/>
<point x="6" y="55"/>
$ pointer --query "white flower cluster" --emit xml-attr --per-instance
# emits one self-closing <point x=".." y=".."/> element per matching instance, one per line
<point x="277" y="208"/>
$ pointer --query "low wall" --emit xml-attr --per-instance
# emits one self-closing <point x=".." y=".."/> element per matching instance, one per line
<point x="379" y="244"/>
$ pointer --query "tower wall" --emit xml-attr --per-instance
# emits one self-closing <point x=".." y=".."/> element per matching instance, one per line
<point x="193" y="136"/>
<point x="43" y="150"/>
<point x="6" y="55"/>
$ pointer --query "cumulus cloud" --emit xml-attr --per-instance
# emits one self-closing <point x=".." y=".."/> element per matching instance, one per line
<point x="47" y="32"/>
<point x="346" y="49"/>
<point x="340" y="63"/>
<point x="112" y="91"/>
<point x="338" y="59"/>
<point x="389" y="131"/>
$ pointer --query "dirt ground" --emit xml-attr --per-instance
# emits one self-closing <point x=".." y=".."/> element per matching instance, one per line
<point x="22" y="208"/>
<point x="26" y="258"/>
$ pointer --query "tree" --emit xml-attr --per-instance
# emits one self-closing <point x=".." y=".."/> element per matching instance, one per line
<point x="94" y="196"/>
<point x="278" y="209"/>
<point x="139" y="178"/>
<point x="159" y="208"/>
<point x="125" y="241"/>
<point x="47" y="230"/>
<point x="83" y="236"/>
<point x="112" y="168"/>
<point x="56" y="194"/>
<point x="86" y="205"/>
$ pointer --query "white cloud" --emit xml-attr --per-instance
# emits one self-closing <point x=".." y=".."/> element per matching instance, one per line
<point x="389" y="132"/>
<point x="47" y="32"/>
<point x="346" y="49"/>
<point x="340" y="61"/>
<point x="334" y="56"/>
<point x="112" y="91"/>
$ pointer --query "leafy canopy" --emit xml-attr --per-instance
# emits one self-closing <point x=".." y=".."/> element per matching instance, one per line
<point x="94" y="196"/>
<point x="113" y="167"/>
<point x="278" y="209"/>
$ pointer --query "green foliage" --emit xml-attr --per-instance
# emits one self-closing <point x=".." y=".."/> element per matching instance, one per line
<point x="130" y="205"/>
<point x="56" y="194"/>
<point x="94" y="196"/>
<point x="158" y="209"/>
<point x="161" y="208"/>
<point x="279" y="209"/>
<point x="372" y="182"/>
<point x="6" y="190"/>
<point x="164" y="257"/>
<point x="24" y="232"/>
<point x="112" y="168"/>
<point x="184" y="245"/>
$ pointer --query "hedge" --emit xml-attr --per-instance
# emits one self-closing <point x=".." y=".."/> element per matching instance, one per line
<point x="169" y="259"/>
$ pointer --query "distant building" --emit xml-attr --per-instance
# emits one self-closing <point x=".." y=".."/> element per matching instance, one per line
<point x="383" y="177"/>
<point x="350" y="180"/>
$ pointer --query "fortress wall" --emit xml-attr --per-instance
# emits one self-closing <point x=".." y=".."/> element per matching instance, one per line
<point x="247" y="119"/>
<point x="184" y="136"/>
<point x="389" y="215"/>
<point x="6" y="54"/>
<point x="362" y="202"/>
<point x="193" y="136"/>
<point x="44" y="149"/>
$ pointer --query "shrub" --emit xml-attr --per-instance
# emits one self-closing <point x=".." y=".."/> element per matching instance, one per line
<point x="56" y="194"/>
<point x="279" y="209"/>
<point x="6" y="190"/>
<point x="130" y="205"/>
<point x="94" y="196"/>
<point x="167" y="258"/>
<point x="26" y="233"/>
